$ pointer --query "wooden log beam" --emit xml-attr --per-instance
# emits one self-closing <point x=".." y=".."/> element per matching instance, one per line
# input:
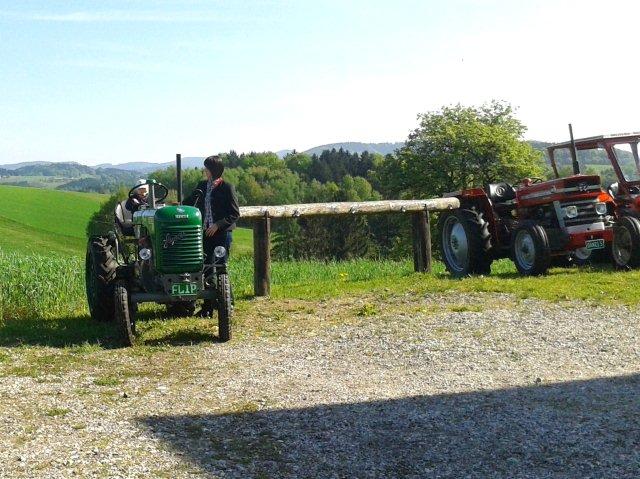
<point x="346" y="208"/>
<point x="262" y="256"/>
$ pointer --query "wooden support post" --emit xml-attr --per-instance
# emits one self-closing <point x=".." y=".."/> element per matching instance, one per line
<point x="421" y="242"/>
<point x="262" y="256"/>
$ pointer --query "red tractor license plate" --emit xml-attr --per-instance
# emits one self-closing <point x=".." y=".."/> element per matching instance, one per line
<point x="594" y="244"/>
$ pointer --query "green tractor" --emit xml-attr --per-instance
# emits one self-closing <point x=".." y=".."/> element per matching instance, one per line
<point x="155" y="255"/>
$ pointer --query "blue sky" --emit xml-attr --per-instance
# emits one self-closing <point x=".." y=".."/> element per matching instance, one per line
<point x="115" y="81"/>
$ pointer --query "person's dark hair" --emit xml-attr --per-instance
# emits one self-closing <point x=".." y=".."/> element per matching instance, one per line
<point x="214" y="165"/>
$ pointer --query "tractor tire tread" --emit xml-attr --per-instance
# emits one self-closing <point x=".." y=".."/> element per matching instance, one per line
<point x="542" y="261"/>
<point x="224" y="308"/>
<point x="124" y="313"/>
<point x="479" y="238"/>
<point x="633" y="225"/>
<point x="100" y="272"/>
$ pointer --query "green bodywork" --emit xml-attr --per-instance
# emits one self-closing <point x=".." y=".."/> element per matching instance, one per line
<point x="176" y="237"/>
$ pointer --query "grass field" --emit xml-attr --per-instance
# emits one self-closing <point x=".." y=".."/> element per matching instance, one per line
<point x="35" y="220"/>
<point x="40" y="220"/>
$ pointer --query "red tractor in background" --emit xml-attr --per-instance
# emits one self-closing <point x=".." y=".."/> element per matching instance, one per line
<point x="621" y="151"/>
<point x="533" y="223"/>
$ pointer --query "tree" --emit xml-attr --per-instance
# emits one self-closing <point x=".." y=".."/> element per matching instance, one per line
<point x="330" y="237"/>
<point x="190" y="178"/>
<point x="299" y="163"/>
<point x="460" y="147"/>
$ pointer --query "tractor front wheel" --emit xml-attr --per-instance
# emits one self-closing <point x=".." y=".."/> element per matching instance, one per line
<point x="626" y="243"/>
<point x="465" y="243"/>
<point x="530" y="249"/>
<point x="124" y="313"/>
<point x="225" y="307"/>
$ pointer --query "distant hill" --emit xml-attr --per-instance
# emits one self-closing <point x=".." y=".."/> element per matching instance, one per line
<point x="67" y="170"/>
<point x="108" y="176"/>
<point x="67" y="176"/>
<point x="130" y="166"/>
<point x="283" y="153"/>
<point x="144" y="167"/>
<point x="356" y="147"/>
<point x="14" y="166"/>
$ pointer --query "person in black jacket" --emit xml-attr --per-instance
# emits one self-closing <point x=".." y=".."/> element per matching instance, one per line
<point x="218" y="203"/>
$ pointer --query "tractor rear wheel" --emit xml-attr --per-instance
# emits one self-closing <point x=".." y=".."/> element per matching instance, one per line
<point x="465" y="243"/>
<point x="530" y="249"/>
<point x="224" y="307"/>
<point x="100" y="272"/>
<point x="124" y="313"/>
<point x="183" y="309"/>
<point x="626" y="243"/>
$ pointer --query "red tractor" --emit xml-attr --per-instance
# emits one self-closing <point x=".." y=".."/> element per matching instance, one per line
<point x="533" y="223"/>
<point x="621" y="153"/>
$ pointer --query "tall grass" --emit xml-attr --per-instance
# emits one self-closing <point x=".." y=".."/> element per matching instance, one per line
<point x="34" y="286"/>
<point x="41" y="286"/>
<point x="38" y="286"/>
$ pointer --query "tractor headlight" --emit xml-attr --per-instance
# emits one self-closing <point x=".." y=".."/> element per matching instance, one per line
<point x="601" y="208"/>
<point x="571" y="211"/>
<point x="145" y="254"/>
<point x="219" y="252"/>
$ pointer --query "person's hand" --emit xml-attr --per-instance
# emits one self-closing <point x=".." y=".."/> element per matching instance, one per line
<point x="211" y="230"/>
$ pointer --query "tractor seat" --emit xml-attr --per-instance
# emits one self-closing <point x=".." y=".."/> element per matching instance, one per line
<point x="500" y="192"/>
<point x="124" y="218"/>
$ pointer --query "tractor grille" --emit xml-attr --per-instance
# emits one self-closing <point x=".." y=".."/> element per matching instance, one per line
<point x="179" y="249"/>
<point x="586" y="213"/>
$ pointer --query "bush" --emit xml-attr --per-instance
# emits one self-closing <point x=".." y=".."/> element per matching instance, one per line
<point x="103" y="220"/>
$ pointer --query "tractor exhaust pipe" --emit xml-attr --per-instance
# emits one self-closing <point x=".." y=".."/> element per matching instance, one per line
<point x="179" y="176"/>
<point x="574" y="152"/>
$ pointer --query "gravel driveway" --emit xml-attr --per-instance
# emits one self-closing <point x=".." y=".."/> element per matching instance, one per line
<point x="379" y="386"/>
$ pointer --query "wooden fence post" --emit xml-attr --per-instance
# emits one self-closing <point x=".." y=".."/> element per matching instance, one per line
<point x="262" y="256"/>
<point x="421" y="233"/>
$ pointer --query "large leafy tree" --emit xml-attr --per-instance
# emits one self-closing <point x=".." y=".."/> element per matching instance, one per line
<point x="460" y="147"/>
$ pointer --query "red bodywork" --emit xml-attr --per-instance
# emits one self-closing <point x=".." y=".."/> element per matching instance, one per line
<point x="530" y="199"/>
<point x="627" y="198"/>
<point x="556" y="190"/>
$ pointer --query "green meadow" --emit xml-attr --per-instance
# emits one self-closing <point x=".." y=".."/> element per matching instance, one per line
<point x="44" y="221"/>
<point x="42" y="272"/>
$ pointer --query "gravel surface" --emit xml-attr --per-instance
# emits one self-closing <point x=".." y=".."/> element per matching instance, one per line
<point x="378" y="386"/>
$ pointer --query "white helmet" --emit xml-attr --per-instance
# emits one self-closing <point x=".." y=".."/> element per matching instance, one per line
<point x="143" y="188"/>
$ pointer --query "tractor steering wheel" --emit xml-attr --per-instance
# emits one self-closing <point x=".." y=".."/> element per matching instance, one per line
<point x="152" y="184"/>
<point x="533" y="180"/>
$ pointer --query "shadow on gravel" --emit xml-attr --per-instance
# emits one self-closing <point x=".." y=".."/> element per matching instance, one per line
<point x="57" y="332"/>
<point x="75" y="330"/>
<point x="183" y="338"/>
<point x="577" y="429"/>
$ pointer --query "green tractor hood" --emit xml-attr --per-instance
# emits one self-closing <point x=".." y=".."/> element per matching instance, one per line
<point x="176" y="237"/>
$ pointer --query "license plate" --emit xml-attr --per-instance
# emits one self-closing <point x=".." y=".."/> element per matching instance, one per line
<point x="594" y="244"/>
<point x="184" y="289"/>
